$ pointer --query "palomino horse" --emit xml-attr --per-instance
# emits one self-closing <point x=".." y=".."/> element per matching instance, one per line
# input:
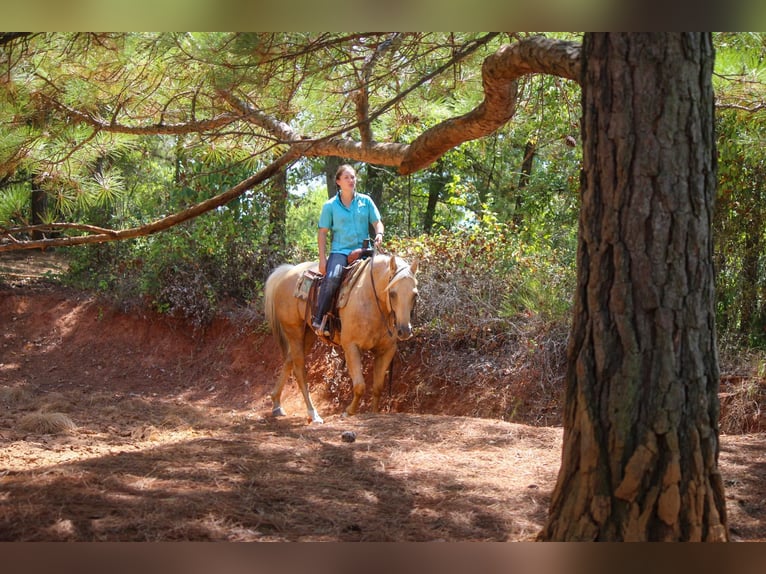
<point x="376" y="316"/>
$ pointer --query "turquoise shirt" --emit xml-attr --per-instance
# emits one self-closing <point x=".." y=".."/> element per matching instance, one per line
<point x="349" y="225"/>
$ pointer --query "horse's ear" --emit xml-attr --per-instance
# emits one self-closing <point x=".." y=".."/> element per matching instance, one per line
<point x="414" y="267"/>
<point x="392" y="264"/>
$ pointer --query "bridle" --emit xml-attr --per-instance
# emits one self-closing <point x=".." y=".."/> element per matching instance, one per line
<point x="399" y="274"/>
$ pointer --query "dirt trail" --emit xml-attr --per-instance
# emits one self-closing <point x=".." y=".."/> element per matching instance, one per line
<point x="172" y="439"/>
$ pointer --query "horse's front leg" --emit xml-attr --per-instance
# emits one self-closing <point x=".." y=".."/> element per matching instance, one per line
<point x="381" y="365"/>
<point x="354" y="366"/>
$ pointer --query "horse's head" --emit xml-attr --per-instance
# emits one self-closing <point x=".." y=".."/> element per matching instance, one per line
<point x="402" y="294"/>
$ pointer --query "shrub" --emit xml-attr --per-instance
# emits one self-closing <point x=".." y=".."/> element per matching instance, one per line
<point x="486" y="277"/>
<point x="188" y="271"/>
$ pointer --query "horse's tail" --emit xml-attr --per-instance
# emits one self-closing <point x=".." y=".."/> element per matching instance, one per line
<point x="269" y="303"/>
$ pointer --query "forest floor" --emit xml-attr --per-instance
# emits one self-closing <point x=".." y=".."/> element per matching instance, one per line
<point x="126" y="427"/>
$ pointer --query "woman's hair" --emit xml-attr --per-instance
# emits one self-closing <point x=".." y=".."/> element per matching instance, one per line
<point x="342" y="168"/>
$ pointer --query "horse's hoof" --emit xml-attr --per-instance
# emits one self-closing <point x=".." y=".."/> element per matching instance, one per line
<point x="278" y="412"/>
<point x="316" y="419"/>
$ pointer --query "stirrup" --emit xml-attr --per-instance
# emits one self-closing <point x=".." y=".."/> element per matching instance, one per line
<point x="321" y="329"/>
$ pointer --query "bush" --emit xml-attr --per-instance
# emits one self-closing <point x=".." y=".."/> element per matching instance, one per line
<point x="486" y="277"/>
<point x="482" y="279"/>
<point x="188" y="271"/>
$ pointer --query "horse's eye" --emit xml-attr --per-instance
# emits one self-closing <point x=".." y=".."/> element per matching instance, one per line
<point x="393" y="295"/>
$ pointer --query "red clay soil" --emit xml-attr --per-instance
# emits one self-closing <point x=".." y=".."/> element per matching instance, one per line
<point x="120" y="427"/>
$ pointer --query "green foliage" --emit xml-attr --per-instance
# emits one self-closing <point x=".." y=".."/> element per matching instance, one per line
<point x="488" y="276"/>
<point x="502" y="239"/>
<point x="125" y="180"/>
<point x="739" y="221"/>
<point x="191" y="271"/>
<point x="302" y="217"/>
<point x="15" y="203"/>
<point x="739" y="225"/>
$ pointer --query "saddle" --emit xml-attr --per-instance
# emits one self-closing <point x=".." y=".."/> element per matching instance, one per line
<point x="308" y="285"/>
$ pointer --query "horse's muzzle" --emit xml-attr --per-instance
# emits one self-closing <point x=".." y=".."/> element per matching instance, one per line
<point x="403" y="332"/>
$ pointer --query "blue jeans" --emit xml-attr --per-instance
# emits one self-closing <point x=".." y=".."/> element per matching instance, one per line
<point x="335" y="264"/>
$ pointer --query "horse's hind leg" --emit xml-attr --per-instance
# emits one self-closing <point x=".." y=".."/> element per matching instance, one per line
<point x="276" y="394"/>
<point x="299" y="370"/>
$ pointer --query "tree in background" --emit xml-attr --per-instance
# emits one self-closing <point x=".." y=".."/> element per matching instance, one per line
<point x="740" y="220"/>
<point x="262" y="99"/>
<point x="641" y="436"/>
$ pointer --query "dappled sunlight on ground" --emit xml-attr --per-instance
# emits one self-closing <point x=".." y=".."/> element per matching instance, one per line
<point x="172" y="438"/>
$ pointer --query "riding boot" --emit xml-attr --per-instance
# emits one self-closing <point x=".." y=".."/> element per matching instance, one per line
<point x="327" y="289"/>
<point x="326" y="293"/>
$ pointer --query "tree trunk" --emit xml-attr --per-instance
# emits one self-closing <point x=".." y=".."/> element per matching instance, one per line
<point x="331" y="165"/>
<point x="640" y="455"/>
<point x="276" y="250"/>
<point x="437" y="180"/>
<point x="750" y="323"/>
<point x="374" y="185"/>
<point x="530" y="150"/>
<point x="39" y="205"/>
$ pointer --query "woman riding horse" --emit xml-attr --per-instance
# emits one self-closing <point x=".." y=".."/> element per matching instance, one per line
<point x="376" y="316"/>
<point x="349" y="215"/>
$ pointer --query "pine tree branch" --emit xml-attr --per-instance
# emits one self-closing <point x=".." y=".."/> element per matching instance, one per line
<point x="112" y="126"/>
<point x="500" y="72"/>
<point x="104" y="235"/>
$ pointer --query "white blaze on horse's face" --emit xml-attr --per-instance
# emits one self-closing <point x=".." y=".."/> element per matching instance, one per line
<point x="402" y="295"/>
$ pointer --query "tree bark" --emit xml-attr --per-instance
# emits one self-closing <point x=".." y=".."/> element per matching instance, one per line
<point x="749" y="322"/>
<point x="39" y="204"/>
<point x="277" y="190"/>
<point x="640" y="456"/>
<point x="437" y="180"/>
<point x="374" y="185"/>
<point x="275" y="251"/>
<point x="331" y="165"/>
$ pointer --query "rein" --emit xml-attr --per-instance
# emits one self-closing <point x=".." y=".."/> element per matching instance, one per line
<point x="391" y="281"/>
<point x="375" y="295"/>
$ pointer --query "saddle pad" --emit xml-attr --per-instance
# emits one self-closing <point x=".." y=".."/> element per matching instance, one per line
<point x="353" y="273"/>
<point x="304" y="284"/>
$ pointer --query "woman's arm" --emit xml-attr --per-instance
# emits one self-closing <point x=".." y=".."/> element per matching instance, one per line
<point x="378" y="226"/>
<point x="322" y="245"/>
